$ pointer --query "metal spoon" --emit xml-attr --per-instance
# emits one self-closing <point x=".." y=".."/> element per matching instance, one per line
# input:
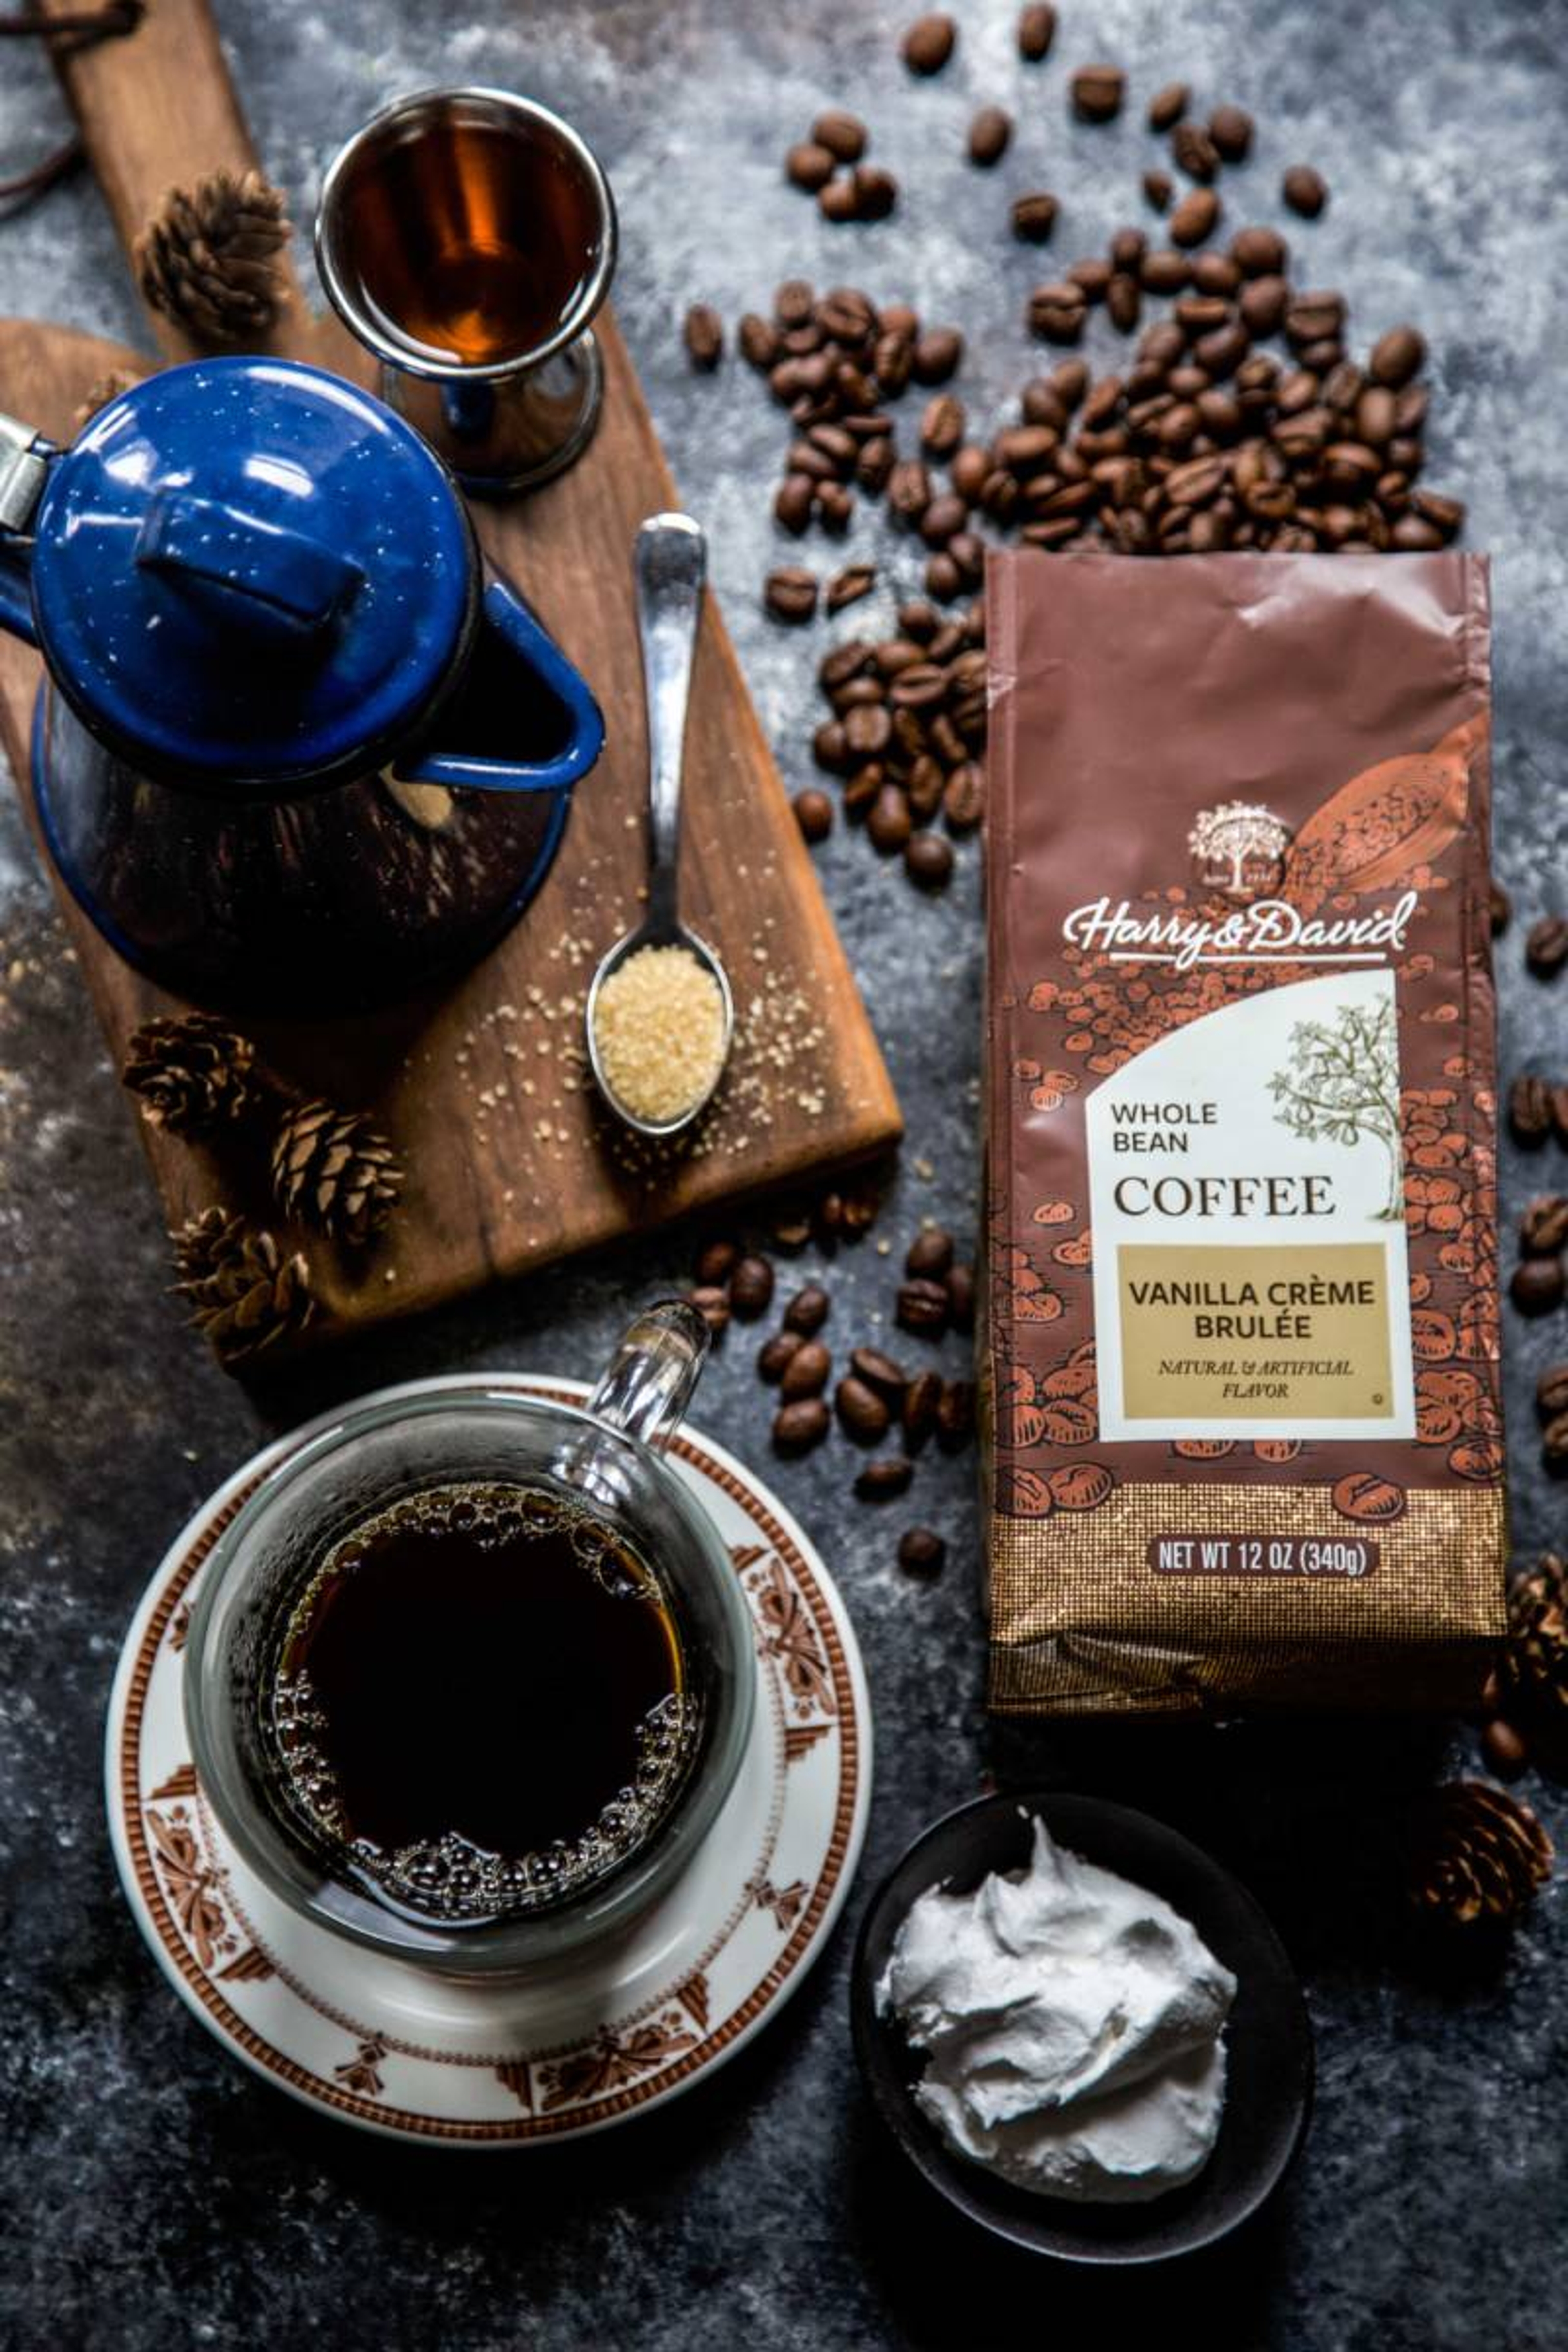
<point x="671" y="565"/>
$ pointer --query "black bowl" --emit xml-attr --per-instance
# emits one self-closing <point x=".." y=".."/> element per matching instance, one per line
<point x="1268" y="2042"/>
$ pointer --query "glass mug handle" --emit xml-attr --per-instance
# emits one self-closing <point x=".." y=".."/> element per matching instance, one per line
<point x="648" y="1383"/>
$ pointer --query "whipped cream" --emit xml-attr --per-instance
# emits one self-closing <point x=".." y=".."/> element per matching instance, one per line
<point x="1074" y="2025"/>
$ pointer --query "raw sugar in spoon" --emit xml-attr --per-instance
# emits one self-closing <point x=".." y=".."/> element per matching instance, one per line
<point x="671" y="563"/>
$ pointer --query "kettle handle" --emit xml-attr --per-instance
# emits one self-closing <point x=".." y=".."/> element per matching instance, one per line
<point x="525" y="637"/>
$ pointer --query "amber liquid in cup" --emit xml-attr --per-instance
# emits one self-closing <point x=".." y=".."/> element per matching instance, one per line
<point x="470" y="242"/>
<point x="479" y="1705"/>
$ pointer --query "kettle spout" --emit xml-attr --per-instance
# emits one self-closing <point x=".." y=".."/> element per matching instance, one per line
<point x="23" y="468"/>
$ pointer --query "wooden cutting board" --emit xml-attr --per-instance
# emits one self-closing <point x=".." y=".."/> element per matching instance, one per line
<point x="512" y="1162"/>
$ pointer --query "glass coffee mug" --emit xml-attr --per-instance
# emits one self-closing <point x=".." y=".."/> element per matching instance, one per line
<point x="463" y="1602"/>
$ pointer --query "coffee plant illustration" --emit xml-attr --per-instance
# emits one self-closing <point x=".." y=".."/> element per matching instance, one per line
<point x="1342" y="1083"/>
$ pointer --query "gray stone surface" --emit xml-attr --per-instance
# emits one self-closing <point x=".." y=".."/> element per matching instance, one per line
<point x="159" y="2196"/>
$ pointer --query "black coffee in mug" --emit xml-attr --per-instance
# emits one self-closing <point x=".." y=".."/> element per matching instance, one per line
<point x="480" y="1703"/>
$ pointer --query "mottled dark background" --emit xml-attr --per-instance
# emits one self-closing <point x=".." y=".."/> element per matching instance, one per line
<point x="158" y="2194"/>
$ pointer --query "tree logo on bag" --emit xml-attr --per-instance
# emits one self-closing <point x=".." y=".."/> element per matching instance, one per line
<point x="1238" y="850"/>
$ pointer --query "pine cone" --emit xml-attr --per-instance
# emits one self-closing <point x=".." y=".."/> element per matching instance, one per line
<point x="101" y="392"/>
<point x="243" y="1293"/>
<point x="1480" y="1856"/>
<point x="333" y="1170"/>
<point x="1533" y="1670"/>
<point x="209" y="259"/>
<point x="192" y="1074"/>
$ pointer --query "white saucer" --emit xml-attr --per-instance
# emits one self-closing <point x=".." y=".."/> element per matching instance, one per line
<point x="400" y="2052"/>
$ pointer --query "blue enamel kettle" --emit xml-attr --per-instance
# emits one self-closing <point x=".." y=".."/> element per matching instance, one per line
<point x="296" y="746"/>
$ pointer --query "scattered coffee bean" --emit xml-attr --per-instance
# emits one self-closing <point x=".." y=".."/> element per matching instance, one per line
<point x="929" y="43"/>
<point x="1396" y="357"/>
<point x="1536" y="1286"/>
<point x="806" y="1372"/>
<point x="1554" y="1442"/>
<point x="790" y="594"/>
<point x="848" y="587"/>
<point x="921" y="1552"/>
<point x="808" y="165"/>
<point x="1231" y="128"/>
<point x="1506" y="1752"/>
<point x="713" y="1304"/>
<point x="716" y="1263"/>
<point x="758" y="340"/>
<point x="801" y="1425"/>
<point x="929" y="1253"/>
<point x="1097" y="93"/>
<point x="751" y="1288"/>
<point x="955" y="1415"/>
<point x="1304" y="190"/>
<point x="839" y="200"/>
<point x="1037" y="31"/>
<point x="1194" y="152"/>
<point x="704" y="336"/>
<point x="960" y="1285"/>
<point x="928" y="859"/>
<point x="937" y="354"/>
<point x="843" y="135"/>
<point x="963" y="797"/>
<point x="808" y="1310"/>
<point x="813" y="814"/>
<point x="774" y="1355"/>
<point x="864" y="1414"/>
<point x="1034" y="217"/>
<point x="1544" y="1228"/>
<point x="1546" y="945"/>
<point x="942" y="426"/>
<point x="879" y="1373"/>
<point x="1193" y="221"/>
<point x="989" y="134"/>
<point x="918" y="1411"/>
<point x="1551" y="1392"/>
<point x="1056" y="311"/>
<point x="1529" y="1109"/>
<point x="888" y="821"/>
<point x="1158" y="189"/>
<point x="876" y="192"/>
<point x="922" y="1307"/>
<point x="1167" y="106"/>
<point x="887" y="1476"/>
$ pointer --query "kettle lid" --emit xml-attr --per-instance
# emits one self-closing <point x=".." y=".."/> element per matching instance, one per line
<point x="249" y="573"/>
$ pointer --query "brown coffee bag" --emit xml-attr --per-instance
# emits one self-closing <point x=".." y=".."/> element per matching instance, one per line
<point x="1240" y="1386"/>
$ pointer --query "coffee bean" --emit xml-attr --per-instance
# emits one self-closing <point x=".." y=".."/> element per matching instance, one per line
<point x="1558" y="1097"/>
<point x="1258" y="252"/>
<point x="955" y="1415"/>
<point x="838" y="200"/>
<point x="1529" y="1109"/>
<point x="869" y="730"/>
<point x="1194" y="151"/>
<point x="1445" y="514"/>
<point x="928" y="860"/>
<point x="813" y="814"/>
<point x="888" y="821"/>
<point x="790" y="594"/>
<point x="1546" y="945"/>
<point x="1158" y="189"/>
<point x="1554" y="1442"/>
<point x="1305" y="191"/>
<point x="1037" y="31"/>
<point x="1501" y="909"/>
<point x="876" y="192"/>
<point x="918" y="1411"/>
<point x="758" y="340"/>
<point x="1536" y="1285"/>
<point x="963" y="797"/>
<point x="863" y="1414"/>
<point x="808" y="1310"/>
<point x="1124" y="301"/>
<point x="792" y="503"/>
<point x="929" y="43"/>
<point x="1544" y="1228"/>
<point x="1056" y="312"/>
<point x="809" y="165"/>
<point x="774" y="1355"/>
<point x="942" y="426"/>
<point x="1552" y="1392"/>
<point x="921" y="1306"/>
<point x="929" y="1253"/>
<point x="848" y="587"/>
<point x="960" y="1285"/>
<point x="1397" y="356"/>
<point x="988" y="136"/>
<point x="937" y="354"/>
<point x="1164" y="272"/>
<point x="806" y="1372"/>
<point x="1505" y="1751"/>
<point x="1034" y="217"/>
<point x="1097" y="93"/>
<point x="1231" y="128"/>
<point x="801" y="1425"/>
<point x="712" y="1305"/>
<point x="751" y="1287"/>
<point x="843" y="135"/>
<point x="921" y="1552"/>
<point x="887" y="1476"/>
<point x="704" y="336"/>
<point x="1193" y="221"/>
<point x="879" y="1373"/>
<point x="1262" y="304"/>
<point x="1167" y="106"/>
